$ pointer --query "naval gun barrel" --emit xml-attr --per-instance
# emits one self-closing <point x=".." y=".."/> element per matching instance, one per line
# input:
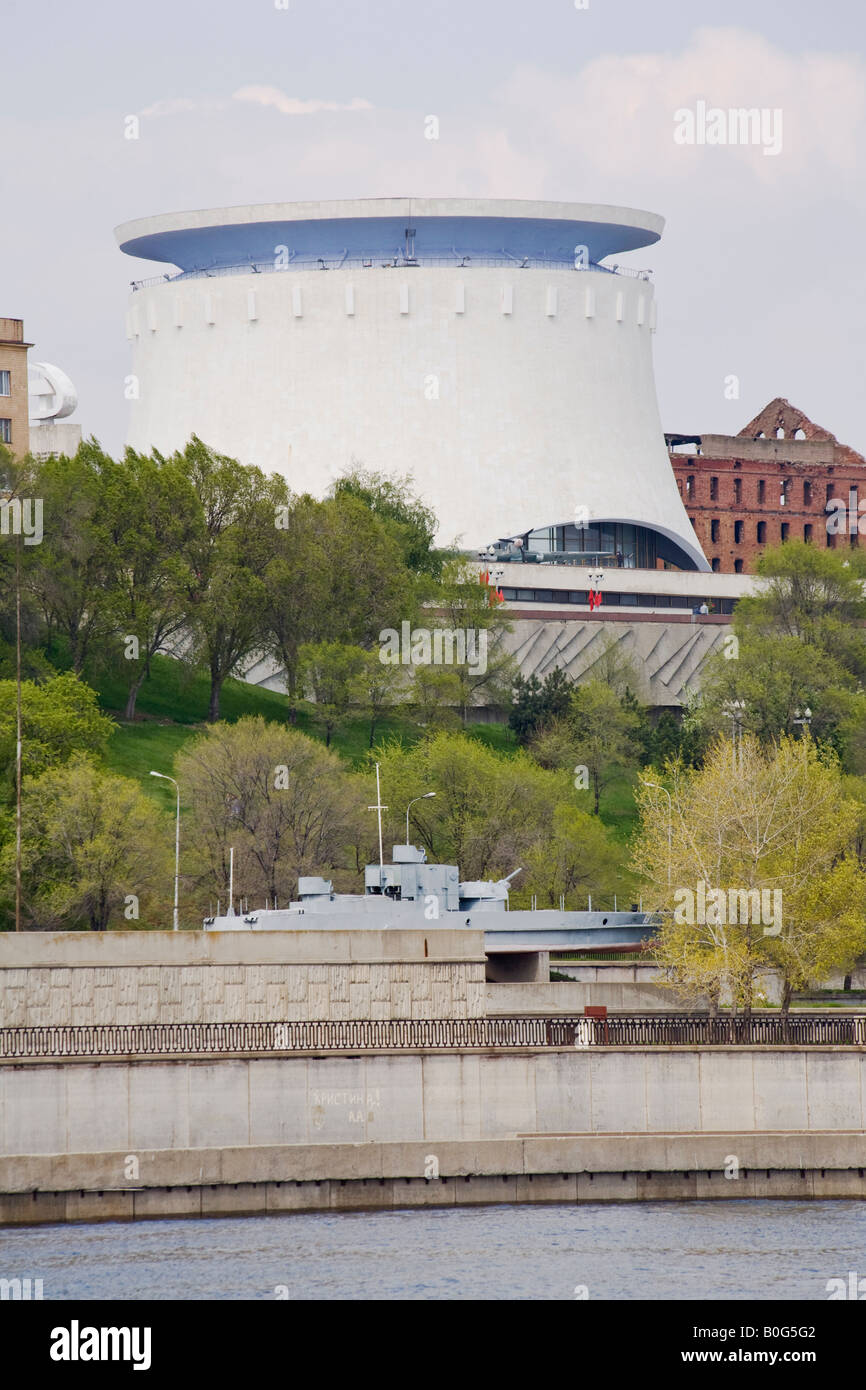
<point x="512" y="875"/>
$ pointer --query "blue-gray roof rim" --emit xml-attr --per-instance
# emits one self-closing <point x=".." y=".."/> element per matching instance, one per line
<point x="484" y="227"/>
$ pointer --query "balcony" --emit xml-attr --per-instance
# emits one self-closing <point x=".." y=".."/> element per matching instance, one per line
<point x="399" y="261"/>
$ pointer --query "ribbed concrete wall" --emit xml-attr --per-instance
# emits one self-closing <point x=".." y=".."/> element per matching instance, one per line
<point x="73" y="1107"/>
<point x="669" y="656"/>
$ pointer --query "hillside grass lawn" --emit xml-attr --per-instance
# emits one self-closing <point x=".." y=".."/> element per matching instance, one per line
<point x="172" y="710"/>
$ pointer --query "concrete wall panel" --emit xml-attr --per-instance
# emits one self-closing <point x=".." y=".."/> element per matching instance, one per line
<point x="97" y="1108"/>
<point x="727" y="1090"/>
<point x="279" y="1109"/>
<point x="618" y="1091"/>
<point x="780" y="1090"/>
<point x="159" y="1107"/>
<point x="219" y="1103"/>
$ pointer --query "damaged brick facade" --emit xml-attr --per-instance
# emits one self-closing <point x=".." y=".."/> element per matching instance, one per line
<point x="769" y="483"/>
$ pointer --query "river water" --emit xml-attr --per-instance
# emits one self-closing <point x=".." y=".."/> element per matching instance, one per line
<point x="733" y="1249"/>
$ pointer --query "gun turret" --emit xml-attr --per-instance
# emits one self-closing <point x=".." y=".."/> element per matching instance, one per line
<point x="512" y="875"/>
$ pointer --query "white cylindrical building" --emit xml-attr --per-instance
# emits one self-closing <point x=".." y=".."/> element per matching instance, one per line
<point x="478" y="345"/>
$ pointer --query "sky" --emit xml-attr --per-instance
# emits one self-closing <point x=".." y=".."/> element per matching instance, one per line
<point x="760" y="274"/>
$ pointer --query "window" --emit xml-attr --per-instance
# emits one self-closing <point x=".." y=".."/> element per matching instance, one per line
<point x="762" y="532"/>
<point x="807" y="494"/>
<point x="784" y="486"/>
<point x="738" y="567"/>
<point x="714" y="489"/>
<point x="738" y="489"/>
<point x="738" y="532"/>
<point x="785" y="530"/>
<point x="807" y="531"/>
<point x="717" y="564"/>
<point x="5" y="431"/>
<point x="762" y="487"/>
<point x="5" y="383"/>
<point x="690" y="485"/>
<point x="714" y="529"/>
<point x="830" y="491"/>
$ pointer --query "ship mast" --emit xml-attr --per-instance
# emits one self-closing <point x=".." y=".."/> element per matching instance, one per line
<point x="379" y="808"/>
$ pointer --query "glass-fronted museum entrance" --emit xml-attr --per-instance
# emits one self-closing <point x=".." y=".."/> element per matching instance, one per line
<point x="611" y="543"/>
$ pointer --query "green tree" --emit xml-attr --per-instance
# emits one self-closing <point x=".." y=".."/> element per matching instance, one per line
<point x="800" y="643"/>
<point x="492" y="814"/>
<point x="377" y="688"/>
<point x="228" y="558"/>
<point x="67" y="574"/>
<point x="337" y="575"/>
<point x="776" y="678"/>
<point x="411" y="524"/>
<point x="330" y="671"/>
<point x="16" y="483"/>
<point x="536" y="703"/>
<point x="153" y="520"/>
<point x="758" y="820"/>
<point x="577" y="858"/>
<point x="436" y="693"/>
<point x="95" y="851"/>
<point x="58" y="718"/>
<point x="281" y="800"/>
<point x="600" y="734"/>
<point x="464" y="605"/>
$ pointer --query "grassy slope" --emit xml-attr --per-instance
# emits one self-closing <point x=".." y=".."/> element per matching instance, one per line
<point x="172" y="708"/>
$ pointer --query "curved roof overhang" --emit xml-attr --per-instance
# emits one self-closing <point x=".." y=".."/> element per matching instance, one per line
<point x="479" y="227"/>
<point x="680" y="550"/>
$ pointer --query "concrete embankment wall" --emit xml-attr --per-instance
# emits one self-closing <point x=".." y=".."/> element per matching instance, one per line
<point x="128" y="1139"/>
<point x="218" y="977"/>
<point x="577" y="1168"/>
<point x="635" y="986"/>
<point x="572" y="997"/>
<point x="73" y="1107"/>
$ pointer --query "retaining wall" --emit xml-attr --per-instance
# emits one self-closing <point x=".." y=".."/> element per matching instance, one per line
<point x="219" y="977"/>
<point x="73" y="1107"/>
<point x="578" y="1168"/>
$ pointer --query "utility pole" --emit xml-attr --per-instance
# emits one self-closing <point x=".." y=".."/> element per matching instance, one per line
<point x="18" y="735"/>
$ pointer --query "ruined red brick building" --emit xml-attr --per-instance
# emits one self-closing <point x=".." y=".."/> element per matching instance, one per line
<point x="769" y="483"/>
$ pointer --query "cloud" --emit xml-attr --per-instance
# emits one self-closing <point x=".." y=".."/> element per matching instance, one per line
<point x="617" y="113"/>
<point x="294" y="106"/>
<point x="170" y="106"/>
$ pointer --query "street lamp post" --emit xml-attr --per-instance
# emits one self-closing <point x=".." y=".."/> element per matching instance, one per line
<point x="423" y="797"/>
<point x="165" y="778"/>
<point x="660" y="788"/>
<point x="735" y="711"/>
